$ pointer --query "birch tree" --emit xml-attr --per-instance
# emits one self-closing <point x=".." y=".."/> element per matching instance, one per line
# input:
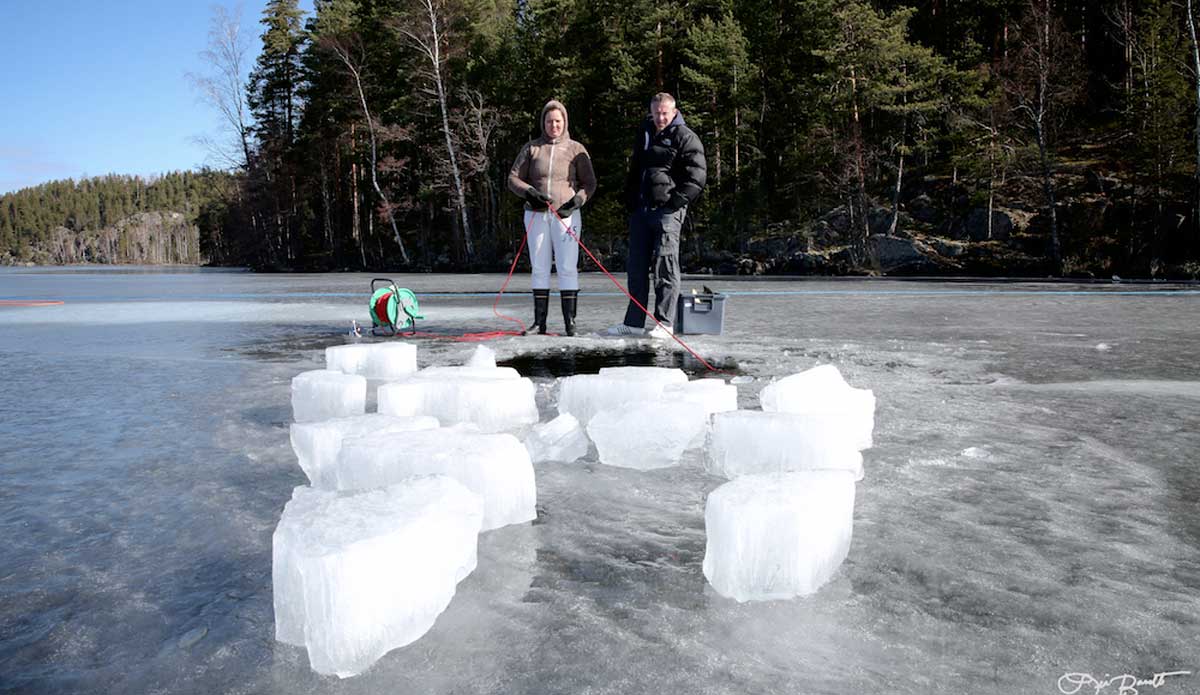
<point x="351" y="59"/>
<point x="426" y="32"/>
<point x="1042" y="79"/>
<point x="223" y="88"/>
<point x="477" y="124"/>
<point x="1191" y="25"/>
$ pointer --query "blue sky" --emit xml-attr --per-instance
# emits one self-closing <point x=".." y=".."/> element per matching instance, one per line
<point x="91" y="88"/>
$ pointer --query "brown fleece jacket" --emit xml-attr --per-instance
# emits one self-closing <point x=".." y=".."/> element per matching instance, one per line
<point x="559" y="166"/>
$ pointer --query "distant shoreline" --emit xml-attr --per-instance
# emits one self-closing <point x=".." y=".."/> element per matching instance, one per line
<point x="947" y="279"/>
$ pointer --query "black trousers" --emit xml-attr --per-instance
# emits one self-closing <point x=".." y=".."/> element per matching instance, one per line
<point x="653" y="260"/>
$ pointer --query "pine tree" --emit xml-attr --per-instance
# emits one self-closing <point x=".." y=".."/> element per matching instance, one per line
<point x="275" y="81"/>
<point x="1158" y="114"/>
<point x="273" y="96"/>
<point x="885" y="87"/>
<point x="717" y="76"/>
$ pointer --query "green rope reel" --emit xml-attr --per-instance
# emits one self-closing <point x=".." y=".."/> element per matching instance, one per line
<point x="393" y="307"/>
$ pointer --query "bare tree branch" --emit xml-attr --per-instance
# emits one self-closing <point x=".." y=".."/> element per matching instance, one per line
<point x="339" y="48"/>
<point x="223" y="88"/>
<point x="427" y="34"/>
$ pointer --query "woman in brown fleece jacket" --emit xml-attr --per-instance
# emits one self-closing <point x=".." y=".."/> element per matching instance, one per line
<point x="553" y="172"/>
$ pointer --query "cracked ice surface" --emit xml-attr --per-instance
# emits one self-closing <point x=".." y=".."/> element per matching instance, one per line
<point x="1029" y="506"/>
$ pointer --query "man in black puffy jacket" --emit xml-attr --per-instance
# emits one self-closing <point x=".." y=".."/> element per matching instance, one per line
<point x="666" y="174"/>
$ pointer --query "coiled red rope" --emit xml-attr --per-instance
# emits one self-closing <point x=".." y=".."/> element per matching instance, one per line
<point x="29" y="302"/>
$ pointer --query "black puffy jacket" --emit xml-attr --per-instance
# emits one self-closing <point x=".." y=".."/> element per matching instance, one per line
<point x="665" y="163"/>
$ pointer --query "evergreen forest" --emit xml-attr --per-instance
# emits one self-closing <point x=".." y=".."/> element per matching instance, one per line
<point x="999" y="137"/>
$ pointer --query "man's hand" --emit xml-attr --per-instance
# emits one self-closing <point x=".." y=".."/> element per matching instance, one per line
<point x="565" y="210"/>
<point x="675" y="203"/>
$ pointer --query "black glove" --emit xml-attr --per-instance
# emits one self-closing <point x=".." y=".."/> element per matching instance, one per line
<point x="675" y="203"/>
<point x="565" y="210"/>
<point x="537" y="199"/>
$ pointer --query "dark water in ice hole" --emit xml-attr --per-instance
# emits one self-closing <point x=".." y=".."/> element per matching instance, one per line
<point x="573" y="360"/>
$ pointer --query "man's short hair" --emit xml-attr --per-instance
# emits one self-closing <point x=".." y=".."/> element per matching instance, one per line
<point x="662" y="97"/>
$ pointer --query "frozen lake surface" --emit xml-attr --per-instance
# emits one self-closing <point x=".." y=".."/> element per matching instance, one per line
<point x="1031" y="506"/>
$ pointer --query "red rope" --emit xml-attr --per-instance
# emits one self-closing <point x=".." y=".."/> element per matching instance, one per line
<point x="464" y="338"/>
<point x="29" y="302"/>
<point x="621" y="287"/>
<point x="499" y="294"/>
<point x="491" y="335"/>
<point x="486" y="335"/>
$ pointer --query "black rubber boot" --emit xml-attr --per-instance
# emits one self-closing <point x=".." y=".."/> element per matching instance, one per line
<point x="570" y="301"/>
<point x="541" y="308"/>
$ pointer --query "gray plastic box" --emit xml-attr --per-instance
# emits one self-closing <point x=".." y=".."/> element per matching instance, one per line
<point x="700" y="313"/>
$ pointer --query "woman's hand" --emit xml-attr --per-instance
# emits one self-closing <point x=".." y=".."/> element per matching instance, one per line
<point x="533" y="195"/>
<point x="565" y="210"/>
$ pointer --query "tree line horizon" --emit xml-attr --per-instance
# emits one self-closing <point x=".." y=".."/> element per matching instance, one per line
<point x="380" y="134"/>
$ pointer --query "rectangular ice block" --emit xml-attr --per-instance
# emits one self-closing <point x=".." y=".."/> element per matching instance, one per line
<point x="323" y="394"/>
<point x="357" y="575"/>
<point x="777" y="536"/>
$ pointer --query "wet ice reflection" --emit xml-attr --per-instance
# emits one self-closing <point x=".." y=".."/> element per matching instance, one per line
<point x="1029" y="510"/>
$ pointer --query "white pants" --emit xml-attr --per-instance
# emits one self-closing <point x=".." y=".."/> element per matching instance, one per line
<point x="547" y="234"/>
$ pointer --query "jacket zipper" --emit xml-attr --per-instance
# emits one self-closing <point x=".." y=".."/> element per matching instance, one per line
<point x="550" y="180"/>
<point x="642" y="192"/>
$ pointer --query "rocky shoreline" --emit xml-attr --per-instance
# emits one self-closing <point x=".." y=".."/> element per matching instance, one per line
<point x="941" y="230"/>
